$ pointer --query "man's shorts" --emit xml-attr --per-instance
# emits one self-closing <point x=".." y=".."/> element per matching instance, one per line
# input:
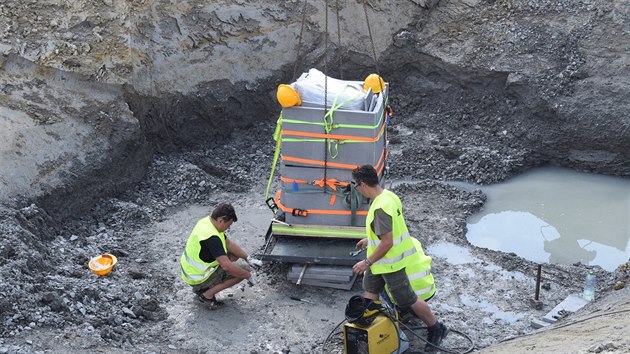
<point x="219" y="276"/>
<point x="397" y="282"/>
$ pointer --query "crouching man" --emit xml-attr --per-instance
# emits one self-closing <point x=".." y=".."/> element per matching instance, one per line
<point x="211" y="262"/>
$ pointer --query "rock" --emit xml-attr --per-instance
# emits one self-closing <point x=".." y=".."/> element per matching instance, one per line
<point x="619" y="285"/>
<point x="128" y="312"/>
<point x="536" y="304"/>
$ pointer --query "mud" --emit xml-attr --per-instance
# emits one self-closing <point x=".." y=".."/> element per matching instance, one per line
<point x="142" y="306"/>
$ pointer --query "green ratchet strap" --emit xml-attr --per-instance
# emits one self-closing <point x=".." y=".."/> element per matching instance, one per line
<point x="353" y="204"/>
<point x="295" y="231"/>
<point x="341" y="125"/>
<point x="329" y="116"/>
<point x="329" y="120"/>
<point x="277" y="136"/>
<point x="319" y="140"/>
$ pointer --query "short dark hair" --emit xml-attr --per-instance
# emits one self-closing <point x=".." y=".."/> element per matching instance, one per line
<point x="225" y="211"/>
<point x="366" y="174"/>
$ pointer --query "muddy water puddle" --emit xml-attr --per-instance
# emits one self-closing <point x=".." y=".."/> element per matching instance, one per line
<point x="468" y="266"/>
<point x="556" y="215"/>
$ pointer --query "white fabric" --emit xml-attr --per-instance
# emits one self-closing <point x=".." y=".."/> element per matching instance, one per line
<point x="310" y="87"/>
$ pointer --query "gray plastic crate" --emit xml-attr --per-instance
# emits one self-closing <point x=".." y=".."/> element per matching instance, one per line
<point x="321" y="201"/>
<point x="357" y="153"/>
<point x="311" y="174"/>
<point x="312" y="119"/>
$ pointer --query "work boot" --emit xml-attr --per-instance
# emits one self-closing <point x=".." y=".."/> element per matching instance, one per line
<point x="212" y="303"/>
<point x="437" y="333"/>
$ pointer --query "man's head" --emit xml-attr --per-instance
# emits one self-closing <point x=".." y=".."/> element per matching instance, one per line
<point x="223" y="216"/>
<point x="366" y="181"/>
<point x="365" y="174"/>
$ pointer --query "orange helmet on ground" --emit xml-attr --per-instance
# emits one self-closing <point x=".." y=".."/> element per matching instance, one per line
<point x="103" y="264"/>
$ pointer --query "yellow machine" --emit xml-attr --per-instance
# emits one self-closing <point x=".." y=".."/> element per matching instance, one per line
<point x="380" y="337"/>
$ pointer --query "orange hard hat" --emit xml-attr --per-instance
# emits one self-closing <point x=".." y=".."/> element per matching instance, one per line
<point x="375" y="82"/>
<point x="103" y="264"/>
<point x="287" y="96"/>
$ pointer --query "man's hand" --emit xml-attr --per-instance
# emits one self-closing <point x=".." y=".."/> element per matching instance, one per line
<point x="360" y="267"/>
<point x="253" y="262"/>
<point x="252" y="279"/>
<point x="362" y="244"/>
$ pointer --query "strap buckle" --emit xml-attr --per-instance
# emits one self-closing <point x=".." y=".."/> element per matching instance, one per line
<point x="299" y="212"/>
<point x="271" y="204"/>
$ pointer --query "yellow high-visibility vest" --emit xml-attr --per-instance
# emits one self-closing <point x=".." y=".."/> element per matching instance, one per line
<point x="399" y="256"/>
<point x="419" y="274"/>
<point x="193" y="270"/>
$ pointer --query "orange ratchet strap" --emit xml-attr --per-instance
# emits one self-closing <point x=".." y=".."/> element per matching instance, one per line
<point x="315" y="211"/>
<point x="379" y="165"/>
<point x="333" y="136"/>
<point x="331" y="182"/>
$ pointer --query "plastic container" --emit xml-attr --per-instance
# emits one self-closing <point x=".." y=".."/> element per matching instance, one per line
<point x="348" y="95"/>
<point x="589" y="287"/>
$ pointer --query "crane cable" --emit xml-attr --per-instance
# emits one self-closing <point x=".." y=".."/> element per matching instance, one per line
<point x="325" y="95"/>
<point x="339" y="41"/>
<point x="299" y="45"/>
<point x="367" y="21"/>
<point x="298" y="59"/>
<point x="301" y="35"/>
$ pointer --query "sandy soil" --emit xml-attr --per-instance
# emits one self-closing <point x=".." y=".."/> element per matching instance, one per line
<point x="599" y="328"/>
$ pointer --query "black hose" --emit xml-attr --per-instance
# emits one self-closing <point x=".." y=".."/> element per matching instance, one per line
<point x="330" y="335"/>
<point x="413" y="329"/>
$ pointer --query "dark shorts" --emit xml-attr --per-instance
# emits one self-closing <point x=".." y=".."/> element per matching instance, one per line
<point x="397" y="282"/>
<point x="219" y="276"/>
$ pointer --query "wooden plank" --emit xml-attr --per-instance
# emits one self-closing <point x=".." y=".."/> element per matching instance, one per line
<point x="325" y="273"/>
<point x="321" y="277"/>
<point x="324" y="231"/>
<point x="342" y="286"/>
<point x="323" y="269"/>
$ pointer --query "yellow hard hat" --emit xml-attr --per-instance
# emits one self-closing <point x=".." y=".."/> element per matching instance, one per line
<point x="103" y="264"/>
<point x="287" y="96"/>
<point x="374" y="82"/>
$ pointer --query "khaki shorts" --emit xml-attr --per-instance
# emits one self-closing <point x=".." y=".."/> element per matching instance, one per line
<point x="219" y="276"/>
<point x="397" y="282"/>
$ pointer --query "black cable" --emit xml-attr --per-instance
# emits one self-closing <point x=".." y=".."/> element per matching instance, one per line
<point x="367" y="21"/>
<point x="413" y="328"/>
<point x="339" y="42"/>
<point x="394" y="322"/>
<point x="330" y="335"/>
<point x="325" y="98"/>
<point x="299" y="45"/>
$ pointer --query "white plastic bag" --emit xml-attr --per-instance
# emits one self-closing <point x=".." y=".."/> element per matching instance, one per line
<point x="342" y="94"/>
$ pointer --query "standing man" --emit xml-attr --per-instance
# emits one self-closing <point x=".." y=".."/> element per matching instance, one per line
<point x="390" y="250"/>
<point x="209" y="262"/>
<point x="418" y="271"/>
